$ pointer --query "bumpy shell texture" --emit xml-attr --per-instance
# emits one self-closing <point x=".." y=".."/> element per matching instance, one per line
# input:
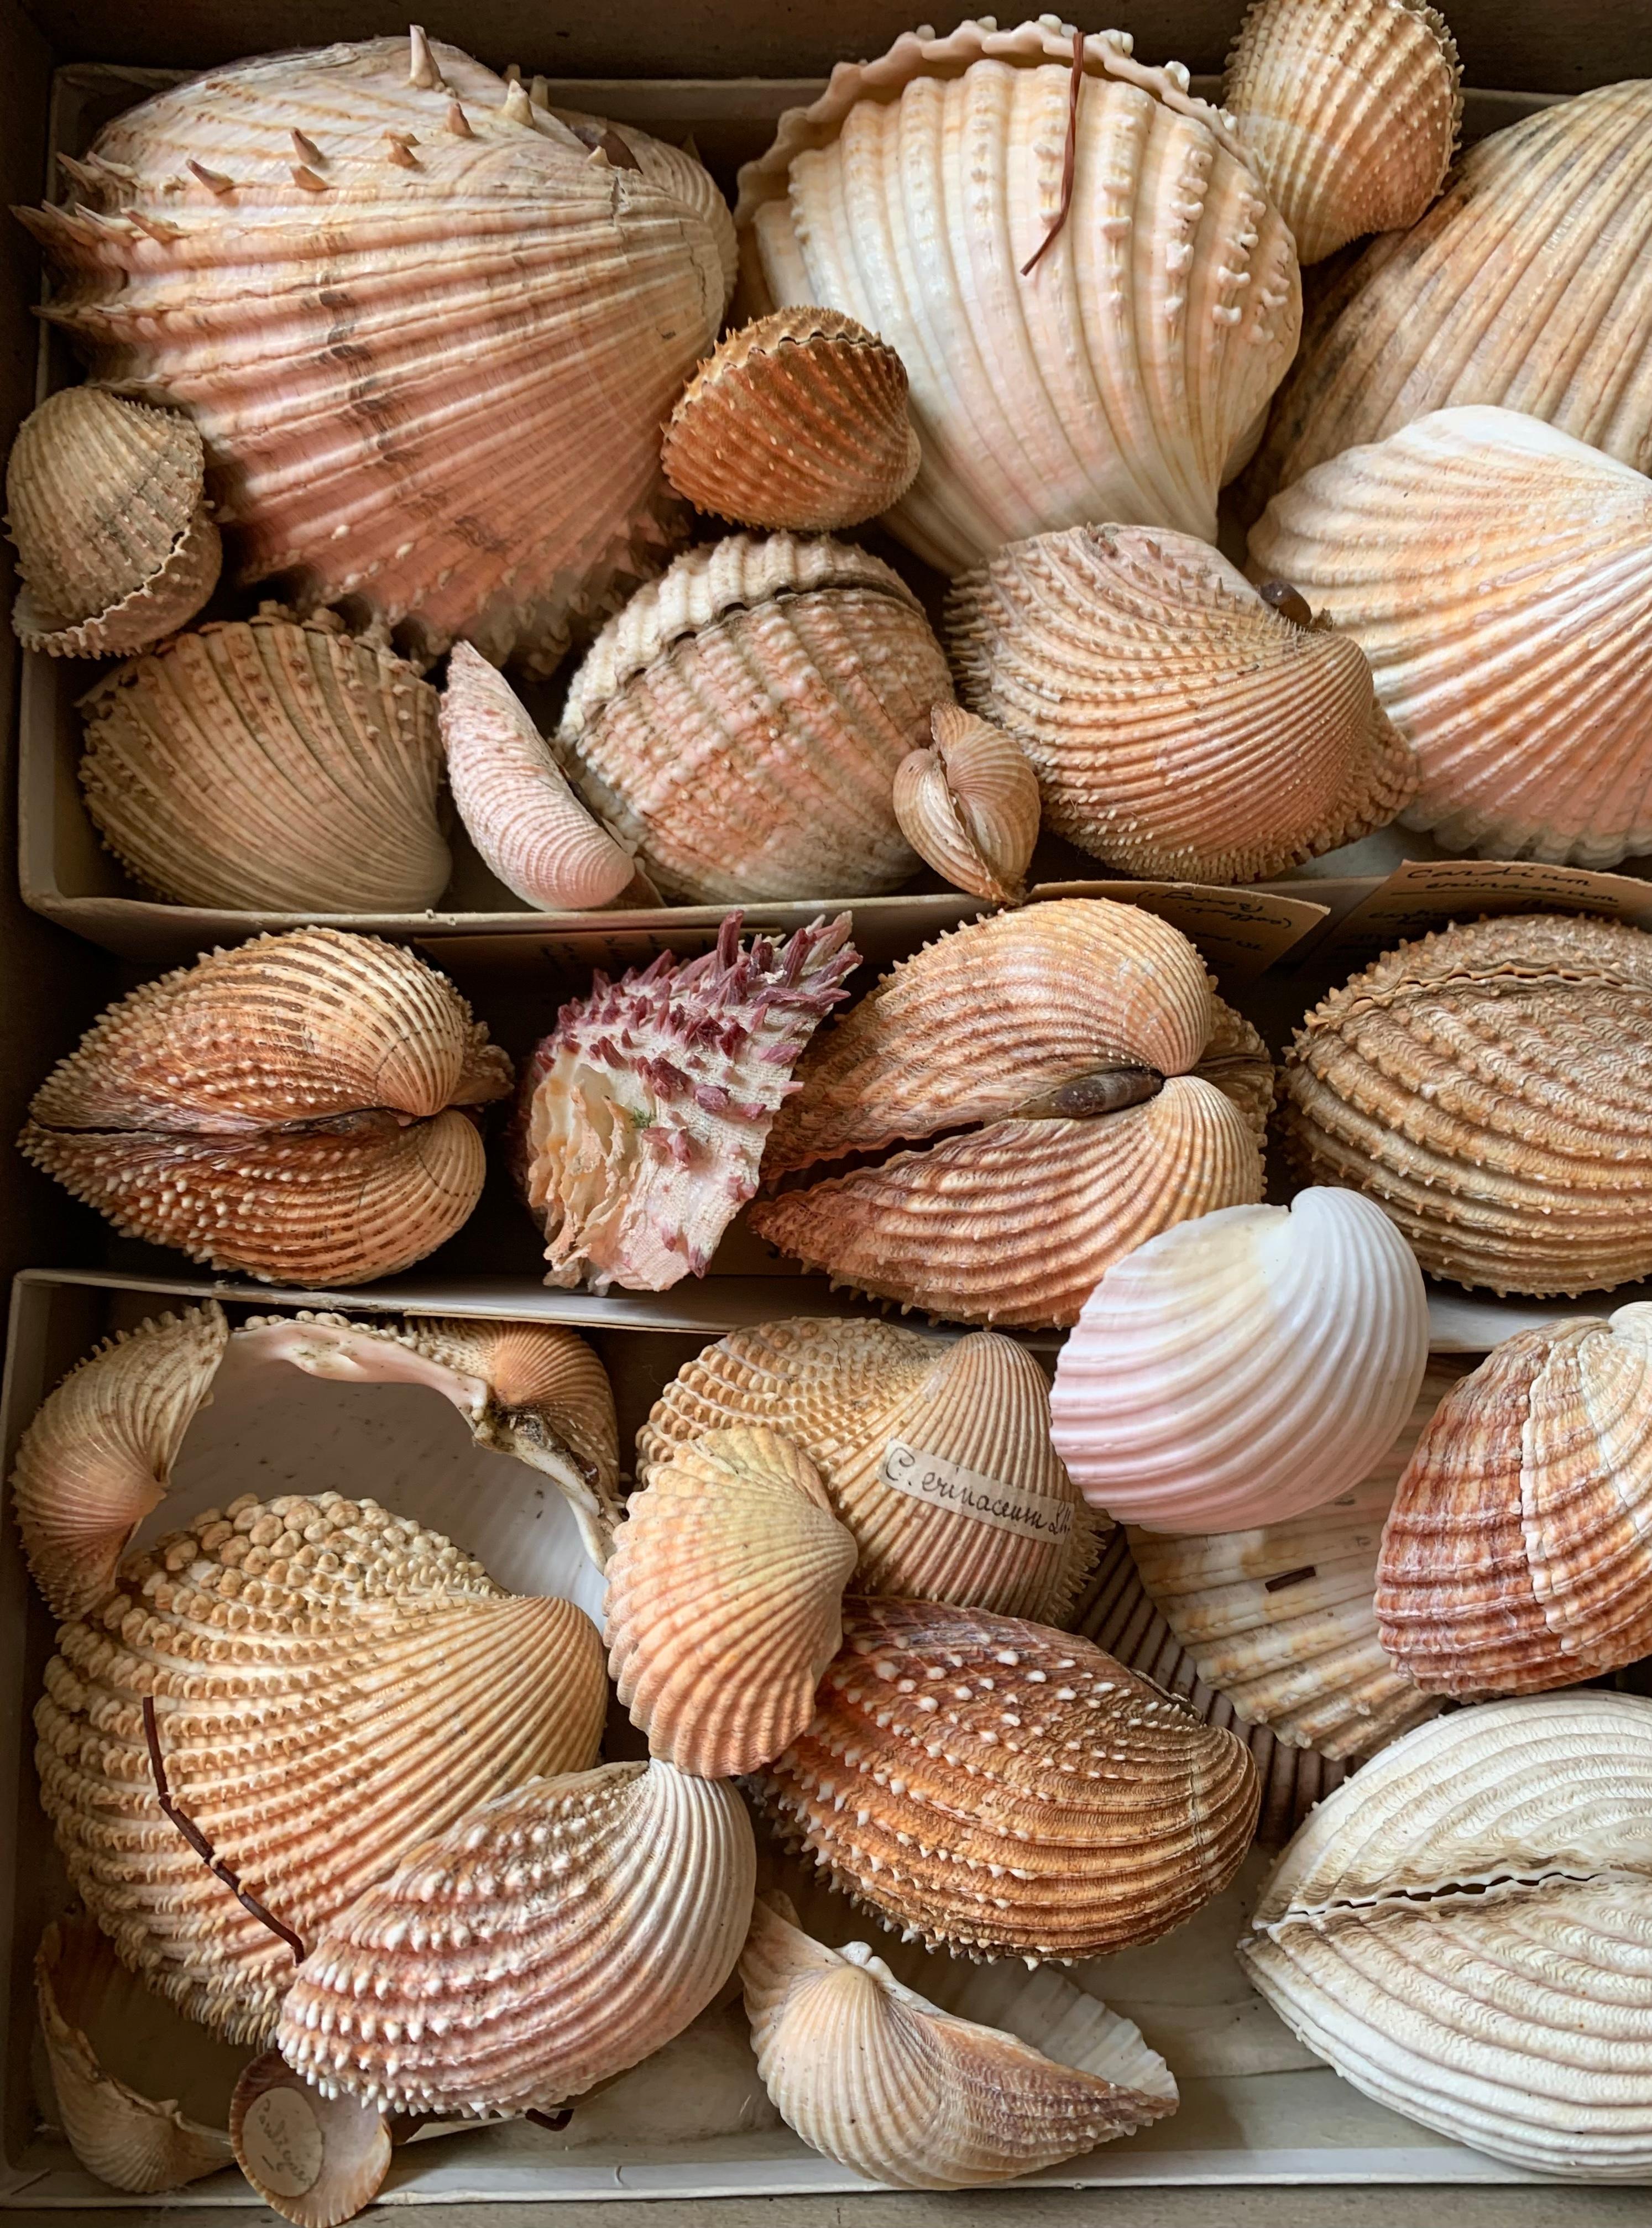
<point x="1465" y="1929"/>
<point x="1487" y="1087"/>
<point x="969" y="805"/>
<point x="317" y="2161"/>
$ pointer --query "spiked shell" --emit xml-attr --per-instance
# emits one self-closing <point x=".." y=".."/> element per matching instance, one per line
<point x="969" y="805"/>
<point x="1177" y="725"/>
<point x="317" y="2161"/>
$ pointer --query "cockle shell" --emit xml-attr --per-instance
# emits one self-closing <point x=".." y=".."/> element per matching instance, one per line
<point x="270" y="765"/>
<point x="880" y="2078"/>
<point x="935" y="1454"/>
<point x="1125" y="377"/>
<point x="797" y="422"/>
<point x="295" y="1108"/>
<point x="1177" y="725"/>
<point x="1464" y="1931"/>
<point x="970" y="806"/>
<point x="738" y="725"/>
<point x="1518" y="1553"/>
<point x="1498" y="575"/>
<point x="1111" y="1094"/>
<point x="1008" y="1790"/>
<point x="1244" y="1366"/>
<point x="1487" y="1087"/>
<point x="106" y="501"/>
<point x="555" y="1937"/>
<point x="694" y="1059"/>
<point x="315" y="2159"/>
<point x="427" y="331"/>
<point x="1350" y="110"/>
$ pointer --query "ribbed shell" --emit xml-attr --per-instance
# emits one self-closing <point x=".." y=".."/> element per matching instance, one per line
<point x="1178" y="726"/>
<point x="1498" y="575"/>
<point x="1488" y="1086"/>
<point x="317" y="2161"/>
<point x="542" y="1944"/>
<point x="270" y="766"/>
<point x="969" y="805"/>
<point x="1126" y="375"/>
<point x="1008" y="1790"/>
<point x="1517" y="2020"/>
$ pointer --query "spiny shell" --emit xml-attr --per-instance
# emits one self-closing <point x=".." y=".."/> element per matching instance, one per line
<point x="552" y="1939"/>
<point x="290" y="1108"/>
<point x="1498" y="575"/>
<point x="1125" y="377"/>
<point x="1465" y="1929"/>
<point x="797" y="421"/>
<point x="317" y="2161"/>
<point x="262" y="764"/>
<point x="970" y="806"/>
<point x="1488" y="1086"/>
<point x="883" y="2080"/>
<point x="723" y="1600"/>
<point x="1178" y="726"/>
<point x="105" y="502"/>
<point x="1008" y="1790"/>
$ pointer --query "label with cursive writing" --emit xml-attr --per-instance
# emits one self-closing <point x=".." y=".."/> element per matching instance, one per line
<point x="943" y="1484"/>
<point x="282" y="2143"/>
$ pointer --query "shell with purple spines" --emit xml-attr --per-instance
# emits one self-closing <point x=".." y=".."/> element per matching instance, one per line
<point x="969" y="805"/>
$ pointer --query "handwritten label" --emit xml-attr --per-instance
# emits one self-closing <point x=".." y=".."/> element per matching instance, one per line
<point x="1427" y="894"/>
<point x="282" y="2143"/>
<point x="942" y="1484"/>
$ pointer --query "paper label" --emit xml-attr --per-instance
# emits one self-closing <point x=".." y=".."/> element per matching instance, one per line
<point x="282" y="2143"/>
<point x="1427" y="894"/>
<point x="942" y="1484"/>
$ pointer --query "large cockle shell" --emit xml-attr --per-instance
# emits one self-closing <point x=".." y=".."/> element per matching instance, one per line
<point x="1125" y="374"/>
<point x="1008" y="1790"/>
<point x="740" y="723"/>
<point x="1518" y="1553"/>
<point x="796" y="422"/>
<point x="1465" y="1929"/>
<point x="1109" y="1092"/>
<point x="1178" y="725"/>
<point x="1488" y="1086"/>
<point x="427" y="330"/>
<point x="969" y="806"/>
<point x="562" y="1934"/>
<point x="723" y="1600"/>
<point x="295" y="1108"/>
<point x="883" y="2080"/>
<point x="270" y="765"/>
<point x="317" y="2160"/>
<point x="1244" y="1366"/>
<point x="106" y="501"/>
<point x="1498" y="575"/>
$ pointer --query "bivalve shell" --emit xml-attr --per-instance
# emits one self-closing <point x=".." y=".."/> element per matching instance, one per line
<point x="969" y="806"/>
<point x="315" y="2159"/>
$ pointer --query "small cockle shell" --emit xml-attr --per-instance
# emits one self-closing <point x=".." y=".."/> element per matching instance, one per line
<point x="1464" y="1931"/>
<point x="270" y="765"/>
<point x="883" y="2080"/>
<point x="297" y="1108"/>
<point x="1518" y="1553"/>
<point x="970" y="806"/>
<point x="105" y="500"/>
<point x="1244" y="1366"/>
<point x="798" y="422"/>
<point x="723" y="1600"/>
<point x="552" y="1939"/>
<point x="1488" y="1086"/>
<point x="317" y="2161"/>
<point x="1178" y="725"/>
<point x="1008" y="1790"/>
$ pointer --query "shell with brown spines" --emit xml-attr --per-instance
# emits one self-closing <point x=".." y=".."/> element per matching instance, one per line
<point x="970" y="806"/>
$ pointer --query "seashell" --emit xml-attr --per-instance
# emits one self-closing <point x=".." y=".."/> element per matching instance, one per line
<point x="1516" y="1554"/>
<point x="957" y="1809"/>
<point x="1498" y="575"/>
<point x="1350" y="113"/>
<point x="399" y="410"/>
<point x="1464" y="1931"/>
<point x="1112" y="1094"/>
<point x="1177" y="725"/>
<point x="935" y="1455"/>
<point x="881" y="2080"/>
<point x="295" y="1108"/>
<point x="796" y="423"/>
<point x="105" y="502"/>
<point x="263" y="764"/>
<point x="696" y="1058"/>
<point x="317" y="2160"/>
<point x="1244" y="1368"/>
<point x="1487" y="1086"/>
<point x="1125" y="376"/>
<point x="549" y="1941"/>
<point x="723" y="1596"/>
<point x="740" y="723"/>
<point x="969" y="807"/>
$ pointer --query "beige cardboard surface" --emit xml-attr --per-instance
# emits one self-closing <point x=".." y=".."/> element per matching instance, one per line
<point x="1425" y="894"/>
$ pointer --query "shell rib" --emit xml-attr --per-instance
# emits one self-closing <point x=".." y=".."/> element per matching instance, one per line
<point x="1464" y="1931"/>
<point x="1487" y="1087"/>
<point x="970" y="806"/>
<point x="317" y="2161"/>
<point x="1177" y="725"/>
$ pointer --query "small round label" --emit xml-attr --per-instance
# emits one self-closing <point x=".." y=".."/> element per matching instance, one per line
<point x="282" y="2143"/>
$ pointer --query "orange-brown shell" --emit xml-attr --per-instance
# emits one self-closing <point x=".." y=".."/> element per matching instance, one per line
<point x="968" y="805"/>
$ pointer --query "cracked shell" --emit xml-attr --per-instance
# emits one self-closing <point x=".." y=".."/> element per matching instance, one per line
<point x="969" y="806"/>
